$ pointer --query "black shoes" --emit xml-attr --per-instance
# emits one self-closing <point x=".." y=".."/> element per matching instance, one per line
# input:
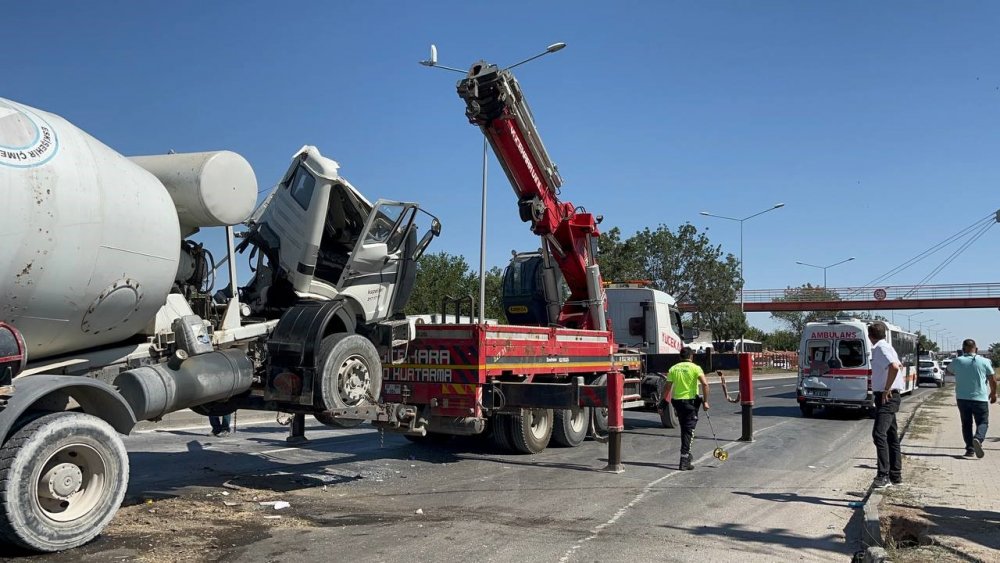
<point x="897" y="481"/>
<point x="685" y="463"/>
<point x="970" y="452"/>
<point x="881" y="483"/>
<point x="977" y="447"/>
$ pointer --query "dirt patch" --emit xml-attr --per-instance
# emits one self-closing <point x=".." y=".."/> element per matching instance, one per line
<point x="203" y="526"/>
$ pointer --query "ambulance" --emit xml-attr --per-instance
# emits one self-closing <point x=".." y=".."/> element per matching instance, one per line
<point x="835" y="364"/>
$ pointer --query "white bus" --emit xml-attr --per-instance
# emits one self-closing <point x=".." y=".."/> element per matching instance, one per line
<point x="835" y="364"/>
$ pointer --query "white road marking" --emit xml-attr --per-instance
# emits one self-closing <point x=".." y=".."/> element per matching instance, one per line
<point x="789" y="385"/>
<point x="762" y="388"/>
<point x="596" y="531"/>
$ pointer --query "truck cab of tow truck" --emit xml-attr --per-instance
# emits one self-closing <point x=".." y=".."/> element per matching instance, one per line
<point x="645" y="319"/>
<point x="317" y="237"/>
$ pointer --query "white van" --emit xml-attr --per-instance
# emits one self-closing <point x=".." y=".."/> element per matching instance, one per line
<point x="835" y="364"/>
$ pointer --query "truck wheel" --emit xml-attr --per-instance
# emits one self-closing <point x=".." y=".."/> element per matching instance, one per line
<point x="668" y="417"/>
<point x="571" y="425"/>
<point x="332" y="422"/>
<point x="530" y="431"/>
<point x="62" y="478"/>
<point x="500" y="432"/>
<point x="599" y="415"/>
<point x="350" y="373"/>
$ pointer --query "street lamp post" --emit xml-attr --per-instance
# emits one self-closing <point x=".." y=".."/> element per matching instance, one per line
<point x="433" y="63"/>
<point x="825" y="268"/>
<point x="742" y="279"/>
<point x="909" y="325"/>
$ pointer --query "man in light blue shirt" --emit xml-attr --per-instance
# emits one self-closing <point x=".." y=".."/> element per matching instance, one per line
<point x="975" y="389"/>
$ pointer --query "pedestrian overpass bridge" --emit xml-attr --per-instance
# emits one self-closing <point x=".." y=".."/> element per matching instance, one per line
<point x="953" y="296"/>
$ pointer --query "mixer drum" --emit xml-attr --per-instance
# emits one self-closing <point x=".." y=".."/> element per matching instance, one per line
<point x="89" y="242"/>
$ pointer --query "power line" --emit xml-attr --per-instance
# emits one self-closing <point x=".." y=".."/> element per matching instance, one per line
<point x="979" y="227"/>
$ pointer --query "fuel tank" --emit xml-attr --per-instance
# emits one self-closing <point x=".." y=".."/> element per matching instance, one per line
<point x="89" y="240"/>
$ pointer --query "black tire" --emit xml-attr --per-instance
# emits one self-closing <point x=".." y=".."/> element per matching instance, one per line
<point x="332" y="422"/>
<point x="349" y="373"/>
<point x="85" y="464"/>
<point x="807" y="410"/>
<point x="500" y="432"/>
<point x="668" y="417"/>
<point x="531" y="430"/>
<point x="571" y="426"/>
<point x="599" y="415"/>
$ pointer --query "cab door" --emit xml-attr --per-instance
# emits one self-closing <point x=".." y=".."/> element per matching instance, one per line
<point x="370" y="274"/>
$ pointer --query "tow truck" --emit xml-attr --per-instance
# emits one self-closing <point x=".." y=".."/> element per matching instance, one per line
<point x="558" y="374"/>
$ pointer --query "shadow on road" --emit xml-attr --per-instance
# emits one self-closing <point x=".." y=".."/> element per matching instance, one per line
<point x="795" y="497"/>
<point x="765" y="539"/>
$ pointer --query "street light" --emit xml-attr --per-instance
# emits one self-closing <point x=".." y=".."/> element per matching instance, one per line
<point x="825" y="268"/>
<point x="742" y="280"/>
<point x="433" y="63"/>
<point x="909" y="326"/>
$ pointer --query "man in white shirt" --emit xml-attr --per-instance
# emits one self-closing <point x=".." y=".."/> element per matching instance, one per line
<point x="886" y="385"/>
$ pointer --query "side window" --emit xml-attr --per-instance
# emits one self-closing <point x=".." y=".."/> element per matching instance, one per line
<point x="301" y="186"/>
<point x="851" y="353"/>
<point x="385" y="224"/>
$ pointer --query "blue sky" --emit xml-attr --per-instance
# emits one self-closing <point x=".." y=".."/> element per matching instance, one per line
<point x="876" y="124"/>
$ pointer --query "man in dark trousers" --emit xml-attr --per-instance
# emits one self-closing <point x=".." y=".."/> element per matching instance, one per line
<point x="682" y="387"/>
<point x="975" y="389"/>
<point x="886" y="385"/>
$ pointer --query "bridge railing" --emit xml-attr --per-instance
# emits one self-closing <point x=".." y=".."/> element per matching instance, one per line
<point x="882" y="293"/>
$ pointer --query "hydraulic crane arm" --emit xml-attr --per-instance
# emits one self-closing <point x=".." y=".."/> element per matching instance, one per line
<point x="495" y="103"/>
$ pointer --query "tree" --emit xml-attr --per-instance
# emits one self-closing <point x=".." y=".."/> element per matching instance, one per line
<point x="783" y="340"/>
<point x="442" y="274"/>
<point x="683" y="263"/>
<point x="926" y="344"/>
<point x="993" y="353"/>
<point x="796" y="320"/>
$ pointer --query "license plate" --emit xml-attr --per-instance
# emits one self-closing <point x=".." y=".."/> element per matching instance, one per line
<point x="818" y="392"/>
<point x="392" y="389"/>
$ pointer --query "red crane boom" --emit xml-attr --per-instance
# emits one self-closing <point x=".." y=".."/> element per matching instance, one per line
<point x="495" y="103"/>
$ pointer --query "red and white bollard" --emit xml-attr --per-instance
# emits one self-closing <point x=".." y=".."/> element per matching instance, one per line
<point x="616" y="421"/>
<point x="746" y="396"/>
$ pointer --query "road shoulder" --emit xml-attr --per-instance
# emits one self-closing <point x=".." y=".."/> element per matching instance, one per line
<point x="947" y="510"/>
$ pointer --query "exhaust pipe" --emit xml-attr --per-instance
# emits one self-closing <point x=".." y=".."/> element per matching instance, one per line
<point x="156" y="390"/>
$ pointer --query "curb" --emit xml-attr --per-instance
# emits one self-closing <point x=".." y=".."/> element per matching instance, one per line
<point x="871" y="533"/>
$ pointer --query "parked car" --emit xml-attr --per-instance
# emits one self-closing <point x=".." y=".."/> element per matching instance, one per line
<point x="930" y="371"/>
<point x="944" y="363"/>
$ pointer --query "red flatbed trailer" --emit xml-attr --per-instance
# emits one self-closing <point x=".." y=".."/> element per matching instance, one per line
<point x="460" y="376"/>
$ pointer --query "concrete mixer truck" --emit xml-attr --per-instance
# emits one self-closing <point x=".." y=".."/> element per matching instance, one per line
<point x="109" y="314"/>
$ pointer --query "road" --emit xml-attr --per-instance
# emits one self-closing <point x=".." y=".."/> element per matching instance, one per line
<point x="789" y="495"/>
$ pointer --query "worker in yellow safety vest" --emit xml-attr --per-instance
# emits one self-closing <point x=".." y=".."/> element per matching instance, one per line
<point x="682" y="386"/>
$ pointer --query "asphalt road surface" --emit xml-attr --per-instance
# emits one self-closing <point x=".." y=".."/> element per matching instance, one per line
<point x="791" y="494"/>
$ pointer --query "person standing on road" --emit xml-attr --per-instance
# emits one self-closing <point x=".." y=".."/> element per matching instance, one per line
<point x="886" y="384"/>
<point x="972" y="375"/>
<point x="682" y="380"/>
<point x="220" y="425"/>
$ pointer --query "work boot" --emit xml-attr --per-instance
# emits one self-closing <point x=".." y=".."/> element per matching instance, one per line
<point x="685" y="463"/>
